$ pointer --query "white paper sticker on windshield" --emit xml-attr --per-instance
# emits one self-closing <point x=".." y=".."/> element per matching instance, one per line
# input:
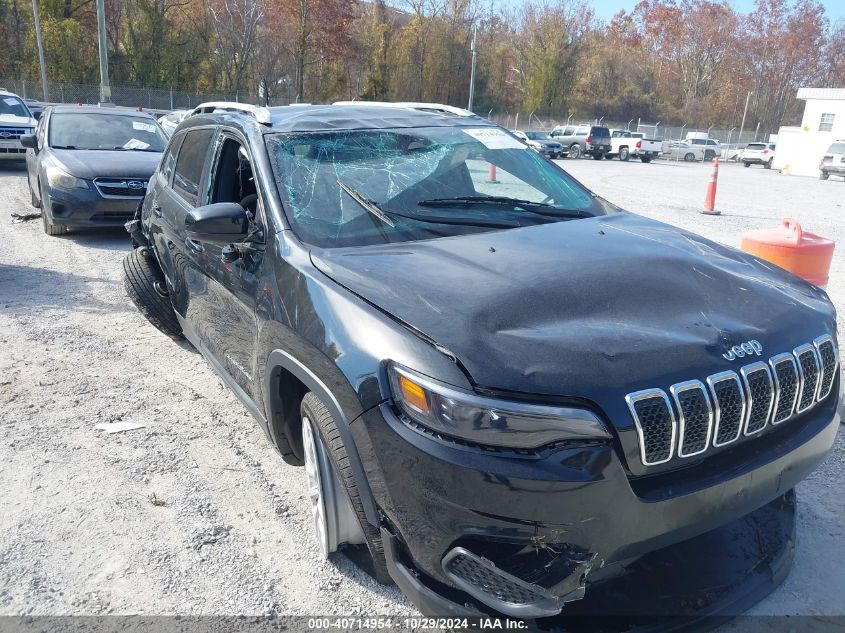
<point x="134" y="143"/>
<point x="494" y="138"/>
<point x="11" y="101"/>
<point x="144" y="127"/>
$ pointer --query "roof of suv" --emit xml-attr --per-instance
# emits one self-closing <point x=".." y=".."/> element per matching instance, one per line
<point x="82" y="109"/>
<point x="349" y="116"/>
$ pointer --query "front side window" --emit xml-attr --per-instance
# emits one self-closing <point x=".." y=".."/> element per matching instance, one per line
<point x="826" y="122"/>
<point x="100" y="131"/>
<point x="11" y="105"/>
<point x="349" y="188"/>
<point x="190" y="164"/>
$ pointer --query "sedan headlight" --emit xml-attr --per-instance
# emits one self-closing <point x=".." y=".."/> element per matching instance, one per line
<point x="444" y="409"/>
<point x="60" y="179"/>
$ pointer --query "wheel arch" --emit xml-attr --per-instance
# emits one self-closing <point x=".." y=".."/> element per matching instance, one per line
<point x="287" y="380"/>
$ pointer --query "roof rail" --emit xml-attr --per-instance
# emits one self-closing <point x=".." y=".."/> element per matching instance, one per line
<point x="414" y="105"/>
<point x="262" y="115"/>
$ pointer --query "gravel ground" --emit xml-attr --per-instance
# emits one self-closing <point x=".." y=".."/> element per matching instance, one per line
<point x="195" y="513"/>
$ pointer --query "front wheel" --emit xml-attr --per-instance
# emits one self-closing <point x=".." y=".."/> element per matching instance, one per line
<point x="744" y="164"/>
<point x="145" y="284"/>
<point x="768" y="164"/>
<point x="35" y="202"/>
<point x="690" y="157"/>
<point x="336" y="506"/>
<point x="598" y="156"/>
<point x="624" y="154"/>
<point x="575" y="151"/>
<point x="709" y="155"/>
<point x="645" y="159"/>
<point x="824" y="175"/>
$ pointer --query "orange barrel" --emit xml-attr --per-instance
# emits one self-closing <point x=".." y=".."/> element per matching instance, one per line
<point x="804" y="254"/>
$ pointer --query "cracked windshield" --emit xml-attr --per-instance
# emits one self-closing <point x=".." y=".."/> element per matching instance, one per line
<point x="360" y="187"/>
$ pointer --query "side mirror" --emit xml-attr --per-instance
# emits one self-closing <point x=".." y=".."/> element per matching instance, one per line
<point x="221" y="223"/>
<point x="29" y="141"/>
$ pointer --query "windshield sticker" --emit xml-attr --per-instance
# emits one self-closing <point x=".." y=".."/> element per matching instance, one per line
<point x="143" y="127"/>
<point x="11" y="101"/>
<point x="134" y="143"/>
<point x="494" y="138"/>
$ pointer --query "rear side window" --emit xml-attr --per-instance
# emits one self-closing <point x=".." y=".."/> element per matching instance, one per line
<point x="169" y="160"/>
<point x="189" y="165"/>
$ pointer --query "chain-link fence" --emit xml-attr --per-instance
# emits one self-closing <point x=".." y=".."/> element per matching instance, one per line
<point x="122" y="95"/>
<point x="728" y="137"/>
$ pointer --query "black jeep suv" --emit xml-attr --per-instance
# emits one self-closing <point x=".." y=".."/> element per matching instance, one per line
<point x="503" y="386"/>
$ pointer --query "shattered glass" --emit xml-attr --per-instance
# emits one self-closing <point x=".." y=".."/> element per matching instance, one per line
<point x="354" y="187"/>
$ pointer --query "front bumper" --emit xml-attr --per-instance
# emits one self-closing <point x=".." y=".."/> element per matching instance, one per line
<point x="86" y="207"/>
<point x="556" y="518"/>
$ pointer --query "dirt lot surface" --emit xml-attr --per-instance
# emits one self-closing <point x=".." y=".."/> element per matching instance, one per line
<point x="195" y="513"/>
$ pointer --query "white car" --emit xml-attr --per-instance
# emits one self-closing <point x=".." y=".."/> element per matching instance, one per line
<point x="758" y="154"/>
<point x="169" y="121"/>
<point x="683" y="150"/>
<point x="15" y="121"/>
<point x="540" y="142"/>
<point x="712" y="147"/>
<point x="833" y="162"/>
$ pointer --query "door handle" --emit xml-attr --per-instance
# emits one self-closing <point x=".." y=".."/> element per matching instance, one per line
<point x="157" y="211"/>
<point x="194" y="246"/>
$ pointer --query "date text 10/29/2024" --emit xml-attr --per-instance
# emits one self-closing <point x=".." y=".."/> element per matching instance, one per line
<point x="413" y="623"/>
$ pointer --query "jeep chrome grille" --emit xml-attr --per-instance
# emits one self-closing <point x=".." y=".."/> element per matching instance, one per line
<point x="655" y="424"/>
<point x="732" y="404"/>
<point x="760" y="390"/>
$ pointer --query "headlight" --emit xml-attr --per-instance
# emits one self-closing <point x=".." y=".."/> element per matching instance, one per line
<point x="489" y="421"/>
<point x="60" y="179"/>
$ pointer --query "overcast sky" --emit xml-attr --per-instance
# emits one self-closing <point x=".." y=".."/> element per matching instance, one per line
<point x="606" y="9"/>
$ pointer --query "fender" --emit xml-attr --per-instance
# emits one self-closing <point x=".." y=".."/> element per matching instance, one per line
<point x="281" y="359"/>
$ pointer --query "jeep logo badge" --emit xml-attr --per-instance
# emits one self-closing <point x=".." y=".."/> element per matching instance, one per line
<point x="744" y="349"/>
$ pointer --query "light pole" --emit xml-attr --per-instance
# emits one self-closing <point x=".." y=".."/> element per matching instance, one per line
<point x="744" y="112"/>
<point x="472" y="69"/>
<point x="105" y="88"/>
<point x="37" y="20"/>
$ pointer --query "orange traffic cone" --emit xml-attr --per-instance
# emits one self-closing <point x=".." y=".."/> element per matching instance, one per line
<point x="710" y="198"/>
<point x="491" y="173"/>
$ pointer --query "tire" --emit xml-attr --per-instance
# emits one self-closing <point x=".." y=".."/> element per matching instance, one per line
<point x="145" y="285"/>
<point x="768" y="164"/>
<point x="645" y="159"/>
<point x="744" y="164"/>
<point x="824" y="175"/>
<point x="312" y="409"/>
<point x="598" y="156"/>
<point x="575" y="151"/>
<point x="35" y="202"/>
<point x="709" y="155"/>
<point x="689" y="158"/>
<point x="624" y="154"/>
<point x="50" y="227"/>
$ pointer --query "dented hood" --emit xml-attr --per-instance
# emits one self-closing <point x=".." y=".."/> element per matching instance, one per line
<point x="593" y="308"/>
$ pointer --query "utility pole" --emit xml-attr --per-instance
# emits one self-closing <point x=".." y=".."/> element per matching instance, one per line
<point x="105" y="88"/>
<point x="37" y="20"/>
<point x="744" y="112"/>
<point x="472" y="69"/>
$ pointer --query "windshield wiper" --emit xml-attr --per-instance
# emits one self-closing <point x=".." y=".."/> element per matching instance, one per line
<point x="549" y="210"/>
<point x="366" y="204"/>
<point x="382" y="214"/>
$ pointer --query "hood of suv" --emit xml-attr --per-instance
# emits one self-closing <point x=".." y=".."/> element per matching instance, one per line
<point x="10" y="120"/>
<point x="593" y="308"/>
<point x="90" y="164"/>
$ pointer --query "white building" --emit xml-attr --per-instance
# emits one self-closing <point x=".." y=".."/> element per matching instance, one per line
<point x="800" y="149"/>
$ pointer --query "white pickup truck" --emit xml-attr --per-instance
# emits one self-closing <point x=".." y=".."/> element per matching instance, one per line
<point x="626" y="144"/>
